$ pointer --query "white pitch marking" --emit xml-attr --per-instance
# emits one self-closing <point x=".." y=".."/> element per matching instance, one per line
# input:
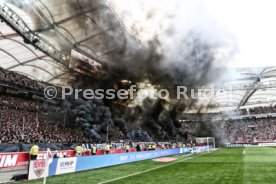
<point x="150" y="169"/>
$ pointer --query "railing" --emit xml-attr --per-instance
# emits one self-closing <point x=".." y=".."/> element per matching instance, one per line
<point x="241" y="86"/>
<point x="11" y="18"/>
<point x="22" y="88"/>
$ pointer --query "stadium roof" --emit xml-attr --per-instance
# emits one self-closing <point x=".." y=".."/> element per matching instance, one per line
<point x="36" y="39"/>
<point x="37" y="36"/>
<point x="249" y="87"/>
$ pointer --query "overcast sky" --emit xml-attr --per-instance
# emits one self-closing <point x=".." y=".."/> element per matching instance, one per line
<point x="251" y="22"/>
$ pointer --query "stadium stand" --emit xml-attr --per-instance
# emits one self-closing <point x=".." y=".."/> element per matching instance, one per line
<point x="256" y="110"/>
<point x="250" y="130"/>
<point x="14" y="79"/>
<point x="262" y="110"/>
<point x="190" y="127"/>
<point x="23" y="121"/>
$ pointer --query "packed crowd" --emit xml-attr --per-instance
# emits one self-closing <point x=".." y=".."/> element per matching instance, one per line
<point x="260" y="110"/>
<point x="22" y="120"/>
<point x="19" y="103"/>
<point x="189" y="127"/>
<point x="18" y="80"/>
<point x="250" y="130"/>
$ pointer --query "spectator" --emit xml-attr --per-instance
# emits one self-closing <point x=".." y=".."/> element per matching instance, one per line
<point x="94" y="150"/>
<point x="33" y="152"/>
<point x="107" y="148"/>
<point x="138" y="148"/>
<point x="127" y="148"/>
<point x="79" y="151"/>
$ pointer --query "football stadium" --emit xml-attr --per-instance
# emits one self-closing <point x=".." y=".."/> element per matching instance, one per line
<point x="137" y="91"/>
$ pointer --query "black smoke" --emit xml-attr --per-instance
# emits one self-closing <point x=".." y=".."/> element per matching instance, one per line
<point x="91" y="117"/>
<point x="178" y="56"/>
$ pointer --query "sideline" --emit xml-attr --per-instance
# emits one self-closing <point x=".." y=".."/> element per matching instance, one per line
<point x="137" y="173"/>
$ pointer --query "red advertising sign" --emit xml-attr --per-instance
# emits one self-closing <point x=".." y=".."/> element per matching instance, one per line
<point x="18" y="159"/>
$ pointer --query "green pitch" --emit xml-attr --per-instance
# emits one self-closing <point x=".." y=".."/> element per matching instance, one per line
<point x="233" y="165"/>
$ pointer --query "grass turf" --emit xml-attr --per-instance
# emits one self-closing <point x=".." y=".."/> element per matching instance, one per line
<point x="232" y="165"/>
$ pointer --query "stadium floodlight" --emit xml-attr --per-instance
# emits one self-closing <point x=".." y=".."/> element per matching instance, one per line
<point x="208" y="141"/>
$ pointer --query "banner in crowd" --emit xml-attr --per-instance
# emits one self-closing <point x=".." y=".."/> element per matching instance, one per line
<point x="67" y="165"/>
<point x="20" y="147"/>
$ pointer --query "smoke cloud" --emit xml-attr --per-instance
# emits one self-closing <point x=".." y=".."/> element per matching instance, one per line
<point x="183" y="47"/>
<point x="92" y="117"/>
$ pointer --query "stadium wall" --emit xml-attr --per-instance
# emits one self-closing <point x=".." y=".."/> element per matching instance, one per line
<point x="58" y="166"/>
